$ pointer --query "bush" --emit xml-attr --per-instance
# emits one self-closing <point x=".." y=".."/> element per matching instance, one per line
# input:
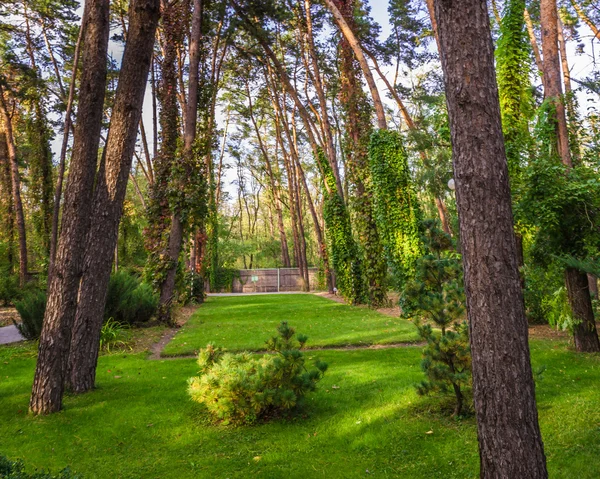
<point x="129" y="301"/>
<point x="9" y="287"/>
<point x="436" y="294"/>
<point x="242" y="388"/>
<point x="16" y="470"/>
<point x="31" y="309"/>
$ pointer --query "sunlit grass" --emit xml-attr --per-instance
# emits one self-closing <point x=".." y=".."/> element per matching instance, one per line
<point x="245" y="322"/>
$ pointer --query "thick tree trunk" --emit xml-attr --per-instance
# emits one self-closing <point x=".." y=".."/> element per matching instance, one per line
<point x="510" y="442"/>
<point x="16" y="189"/>
<point x="584" y="331"/>
<point x="55" y="341"/>
<point x="552" y="77"/>
<point x="111" y="186"/>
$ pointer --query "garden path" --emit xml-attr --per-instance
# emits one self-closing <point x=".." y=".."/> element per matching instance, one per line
<point x="10" y="334"/>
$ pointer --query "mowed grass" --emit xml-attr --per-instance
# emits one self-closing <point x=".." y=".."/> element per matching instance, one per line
<point x="246" y="322"/>
<point x="140" y="423"/>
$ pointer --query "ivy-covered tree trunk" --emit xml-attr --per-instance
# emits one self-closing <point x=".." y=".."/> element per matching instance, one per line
<point x="183" y="169"/>
<point x="16" y="188"/>
<point x="7" y="219"/>
<point x="510" y="442"/>
<point x="111" y="186"/>
<point x="357" y="121"/>
<point x="159" y="211"/>
<point x="55" y="341"/>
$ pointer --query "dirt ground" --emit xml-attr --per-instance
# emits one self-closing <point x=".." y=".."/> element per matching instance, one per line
<point x="7" y="315"/>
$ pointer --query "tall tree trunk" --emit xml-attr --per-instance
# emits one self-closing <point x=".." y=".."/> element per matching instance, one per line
<point x="16" y="189"/>
<point x="584" y="331"/>
<point x="510" y="442"/>
<point x="346" y="26"/>
<point x="581" y="14"/>
<point x="552" y="78"/>
<point x="534" y="44"/>
<point x="64" y="147"/>
<point x="111" y="186"/>
<point x="358" y="129"/>
<point x="55" y="341"/>
<point x="167" y="288"/>
<point x="7" y="203"/>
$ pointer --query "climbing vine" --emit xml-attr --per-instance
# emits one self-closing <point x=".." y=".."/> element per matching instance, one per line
<point x="397" y="209"/>
<point x="343" y="249"/>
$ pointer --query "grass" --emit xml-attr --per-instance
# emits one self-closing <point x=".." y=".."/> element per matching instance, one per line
<point x="245" y="322"/>
<point x="140" y="422"/>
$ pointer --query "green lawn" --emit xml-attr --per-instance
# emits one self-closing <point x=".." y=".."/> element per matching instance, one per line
<point x="245" y="322"/>
<point x="141" y="424"/>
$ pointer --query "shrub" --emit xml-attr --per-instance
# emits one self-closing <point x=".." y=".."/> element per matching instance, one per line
<point x="242" y="388"/>
<point x="436" y="294"/>
<point x="9" y="287"/>
<point x="129" y="301"/>
<point x="31" y="309"/>
<point x="16" y="470"/>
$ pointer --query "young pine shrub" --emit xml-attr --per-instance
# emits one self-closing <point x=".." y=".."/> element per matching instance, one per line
<point x="436" y="295"/>
<point x="243" y="388"/>
<point x="31" y="309"/>
<point x="129" y="301"/>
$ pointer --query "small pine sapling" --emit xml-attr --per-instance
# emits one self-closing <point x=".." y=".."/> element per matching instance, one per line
<point x="243" y="388"/>
<point x="435" y="299"/>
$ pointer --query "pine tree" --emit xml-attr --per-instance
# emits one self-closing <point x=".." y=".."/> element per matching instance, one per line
<point x="436" y="295"/>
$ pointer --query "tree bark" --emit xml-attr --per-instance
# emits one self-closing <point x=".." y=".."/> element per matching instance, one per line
<point x="581" y="14"/>
<point x="111" y="186"/>
<point x="63" y="150"/>
<point x="16" y="189"/>
<point x="167" y="288"/>
<point x="510" y="442"/>
<point x="552" y="77"/>
<point x="534" y="44"/>
<point x="353" y="42"/>
<point x="584" y="331"/>
<point x="55" y="341"/>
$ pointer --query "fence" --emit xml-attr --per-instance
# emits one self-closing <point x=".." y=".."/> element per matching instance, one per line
<point x="273" y="280"/>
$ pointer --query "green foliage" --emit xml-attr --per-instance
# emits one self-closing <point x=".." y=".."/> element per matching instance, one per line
<point x="31" y="309"/>
<point x="396" y="205"/>
<point x="9" y="287"/>
<point x="243" y="388"/>
<point x="344" y="252"/>
<point x="559" y="310"/>
<point x="436" y="295"/>
<point x="129" y="301"/>
<point x="111" y="334"/>
<point x="516" y="100"/>
<point x="16" y="470"/>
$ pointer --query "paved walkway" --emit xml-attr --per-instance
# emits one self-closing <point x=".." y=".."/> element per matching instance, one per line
<point x="255" y="294"/>
<point x="10" y="334"/>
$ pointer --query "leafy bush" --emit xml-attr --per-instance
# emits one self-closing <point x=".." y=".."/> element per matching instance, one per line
<point x="129" y="301"/>
<point x="436" y="294"/>
<point x="9" y="287"/>
<point x="31" y="309"/>
<point x="242" y="388"/>
<point x="111" y="334"/>
<point x="16" y="470"/>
